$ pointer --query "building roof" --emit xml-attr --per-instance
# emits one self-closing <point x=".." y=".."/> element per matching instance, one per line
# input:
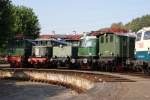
<point x="57" y="36"/>
<point x="73" y="37"/>
<point x="109" y="30"/>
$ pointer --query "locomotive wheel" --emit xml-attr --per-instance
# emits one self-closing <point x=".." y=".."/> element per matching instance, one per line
<point x="12" y="65"/>
<point x="35" y="65"/>
<point x="148" y="70"/>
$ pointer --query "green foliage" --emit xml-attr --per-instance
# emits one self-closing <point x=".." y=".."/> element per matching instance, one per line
<point x="26" y="22"/>
<point x="6" y="22"/>
<point x="16" y="20"/>
<point x="138" y="23"/>
<point x="118" y="25"/>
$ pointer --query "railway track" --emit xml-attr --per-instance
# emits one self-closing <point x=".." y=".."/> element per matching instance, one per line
<point x="137" y="74"/>
<point x="94" y="77"/>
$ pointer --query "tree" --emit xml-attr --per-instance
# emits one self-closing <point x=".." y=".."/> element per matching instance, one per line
<point x="118" y="25"/>
<point x="26" y="22"/>
<point x="138" y="23"/>
<point x="6" y="22"/>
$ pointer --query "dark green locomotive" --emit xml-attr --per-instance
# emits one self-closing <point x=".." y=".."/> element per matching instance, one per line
<point x="18" y="51"/>
<point x="113" y="45"/>
<point x="114" y="50"/>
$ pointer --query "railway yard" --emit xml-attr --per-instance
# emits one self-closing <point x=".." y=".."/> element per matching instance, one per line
<point x="71" y="50"/>
<point x="94" y="85"/>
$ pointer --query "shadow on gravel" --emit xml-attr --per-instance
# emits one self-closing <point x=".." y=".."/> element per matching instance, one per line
<point x="14" y="90"/>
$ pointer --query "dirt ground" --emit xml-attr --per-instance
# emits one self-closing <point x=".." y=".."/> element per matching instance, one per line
<point x="12" y="90"/>
<point x="138" y="90"/>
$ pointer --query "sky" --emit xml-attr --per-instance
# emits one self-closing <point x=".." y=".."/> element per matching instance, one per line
<point x="66" y="16"/>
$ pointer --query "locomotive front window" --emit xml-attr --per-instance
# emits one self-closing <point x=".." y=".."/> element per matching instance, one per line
<point x="44" y="43"/>
<point x="75" y="43"/>
<point x="106" y="39"/>
<point x="38" y="43"/>
<point x="88" y="43"/>
<point x="147" y="35"/>
<point x="20" y="44"/>
<point x="138" y="37"/>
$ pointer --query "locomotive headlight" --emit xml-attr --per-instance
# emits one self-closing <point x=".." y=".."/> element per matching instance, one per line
<point x="73" y="61"/>
<point x="51" y="59"/>
<point x="148" y="50"/>
<point x="100" y="54"/>
<point x="90" y="54"/>
<point x="64" y="60"/>
<point x="94" y="60"/>
<point x="110" y="53"/>
<point x="134" y="51"/>
<point x="29" y="60"/>
<point x="18" y="60"/>
<point x="85" y="60"/>
<point x="6" y="59"/>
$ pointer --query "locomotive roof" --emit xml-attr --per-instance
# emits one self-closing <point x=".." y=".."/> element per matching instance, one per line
<point x="43" y="39"/>
<point x="88" y="37"/>
<point x="61" y="42"/>
<point x="144" y="29"/>
<point x="115" y="30"/>
<point x="71" y="37"/>
<point x="121" y="34"/>
<point x="54" y="40"/>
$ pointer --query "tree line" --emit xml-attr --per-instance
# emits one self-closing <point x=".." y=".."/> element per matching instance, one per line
<point x="138" y="23"/>
<point x="135" y="24"/>
<point x="17" y="20"/>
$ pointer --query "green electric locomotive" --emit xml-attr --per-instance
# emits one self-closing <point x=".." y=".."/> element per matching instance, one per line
<point x="88" y="51"/>
<point x="115" y="49"/>
<point x="113" y="45"/>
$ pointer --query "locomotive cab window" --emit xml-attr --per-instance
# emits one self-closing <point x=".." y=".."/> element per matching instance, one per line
<point x="49" y="43"/>
<point x="20" y="44"/>
<point x="102" y="39"/>
<point x="147" y="35"/>
<point x="107" y="38"/>
<point x="44" y="43"/>
<point x="111" y="38"/>
<point x="138" y="37"/>
<point x="38" y="43"/>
